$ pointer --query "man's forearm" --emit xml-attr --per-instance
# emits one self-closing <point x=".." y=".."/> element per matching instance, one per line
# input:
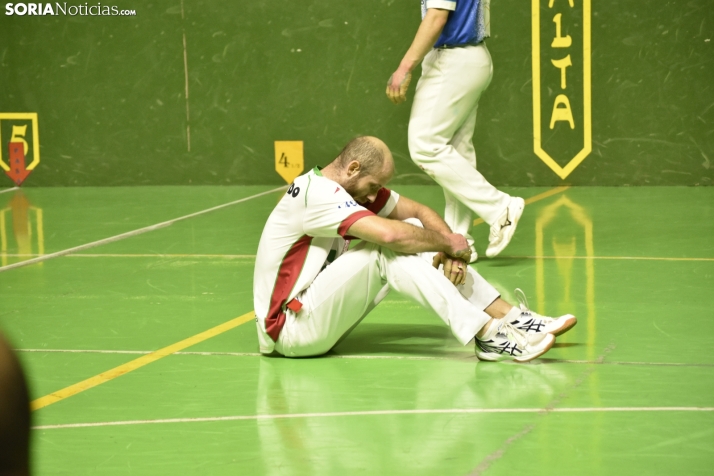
<point x="432" y="221"/>
<point x="407" y="208"/>
<point x="408" y="238"/>
<point x="405" y="238"/>
<point x="427" y="34"/>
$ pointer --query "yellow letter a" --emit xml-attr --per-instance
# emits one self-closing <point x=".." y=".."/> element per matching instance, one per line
<point x="562" y="113"/>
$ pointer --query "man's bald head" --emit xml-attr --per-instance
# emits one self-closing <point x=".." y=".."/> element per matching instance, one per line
<point x="372" y="154"/>
<point x="363" y="167"/>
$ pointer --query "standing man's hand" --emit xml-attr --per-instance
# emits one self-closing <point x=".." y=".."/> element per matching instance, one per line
<point x="429" y="30"/>
<point x="398" y="85"/>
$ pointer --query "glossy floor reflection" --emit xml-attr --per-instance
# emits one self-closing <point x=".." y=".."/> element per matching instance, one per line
<point x="628" y="391"/>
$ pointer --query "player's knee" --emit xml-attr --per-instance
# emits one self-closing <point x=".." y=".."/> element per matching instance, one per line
<point x="425" y="155"/>
<point x="419" y="146"/>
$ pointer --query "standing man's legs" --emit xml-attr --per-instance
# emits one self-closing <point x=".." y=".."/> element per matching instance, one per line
<point x="441" y="126"/>
<point x="458" y="216"/>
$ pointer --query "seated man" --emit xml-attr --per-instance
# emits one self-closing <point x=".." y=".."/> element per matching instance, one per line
<point x="310" y="291"/>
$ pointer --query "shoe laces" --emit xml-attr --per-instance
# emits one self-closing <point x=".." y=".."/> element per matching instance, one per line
<point x="512" y="332"/>
<point x="523" y="302"/>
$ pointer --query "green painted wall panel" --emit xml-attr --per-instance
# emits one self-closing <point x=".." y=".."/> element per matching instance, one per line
<point x="110" y="91"/>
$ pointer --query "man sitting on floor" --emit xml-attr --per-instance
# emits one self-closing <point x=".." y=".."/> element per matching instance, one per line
<point x="310" y="291"/>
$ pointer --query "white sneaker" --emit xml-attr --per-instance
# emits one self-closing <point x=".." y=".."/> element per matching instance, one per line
<point x="474" y="255"/>
<point x="502" y="231"/>
<point x="505" y="342"/>
<point x="533" y="323"/>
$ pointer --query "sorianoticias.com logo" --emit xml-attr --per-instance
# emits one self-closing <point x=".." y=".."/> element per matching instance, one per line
<point x="62" y="8"/>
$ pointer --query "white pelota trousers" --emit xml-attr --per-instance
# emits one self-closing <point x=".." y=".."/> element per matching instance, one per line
<point x="349" y="288"/>
<point x="441" y="129"/>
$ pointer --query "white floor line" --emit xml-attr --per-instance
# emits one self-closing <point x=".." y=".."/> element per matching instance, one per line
<point x="86" y="351"/>
<point x="236" y="354"/>
<point x="138" y="255"/>
<point x="190" y="255"/>
<point x="465" y="357"/>
<point x="631" y="258"/>
<point x="615" y="362"/>
<point x="448" y="411"/>
<point x="129" y="234"/>
<point x="9" y="190"/>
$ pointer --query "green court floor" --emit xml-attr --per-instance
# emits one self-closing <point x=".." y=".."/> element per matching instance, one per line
<point x="630" y="390"/>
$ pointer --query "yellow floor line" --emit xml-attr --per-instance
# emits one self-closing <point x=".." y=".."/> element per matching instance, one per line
<point x="123" y="369"/>
<point x="136" y="255"/>
<point x="535" y="198"/>
<point x="148" y="255"/>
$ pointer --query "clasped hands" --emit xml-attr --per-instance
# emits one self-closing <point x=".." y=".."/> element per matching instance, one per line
<point x="455" y="260"/>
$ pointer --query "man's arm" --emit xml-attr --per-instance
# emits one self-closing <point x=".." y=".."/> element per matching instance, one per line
<point x="406" y="238"/>
<point x="407" y="208"/>
<point x="431" y="220"/>
<point x="427" y="34"/>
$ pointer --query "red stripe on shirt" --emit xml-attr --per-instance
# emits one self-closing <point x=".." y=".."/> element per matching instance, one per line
<point x="379" y="202"/>
<point x="288" y="274"/>
<point x="350" y="220"/>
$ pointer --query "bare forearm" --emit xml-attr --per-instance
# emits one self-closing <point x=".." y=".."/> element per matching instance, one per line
<point x="431" y="220"/>
<point x="427" y="34"/>
<point x="400" y="236"/>
<point x="407" y="208"/>
<point x="411" y="239"/>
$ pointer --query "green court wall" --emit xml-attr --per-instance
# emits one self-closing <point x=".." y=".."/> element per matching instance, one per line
<point x="112" y="105"/>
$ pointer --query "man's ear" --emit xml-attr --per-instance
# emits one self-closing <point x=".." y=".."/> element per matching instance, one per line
<point x="353" y="168"/>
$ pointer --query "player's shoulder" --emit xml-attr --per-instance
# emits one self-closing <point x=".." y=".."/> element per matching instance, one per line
<point x="321" y="186"/>
<point x="315" y="190"/>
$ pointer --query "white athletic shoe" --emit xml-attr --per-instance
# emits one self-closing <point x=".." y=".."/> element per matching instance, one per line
<point x="474" y="255"/>
<point x="505" y="342"/>
<point x="502" y="231"/>
<point x="533" y="323"/>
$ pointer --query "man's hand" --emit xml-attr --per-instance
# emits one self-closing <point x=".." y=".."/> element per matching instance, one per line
<point x="454" y="269"/>
<point x="458" y="247"/>
<point x="397" y="86"/>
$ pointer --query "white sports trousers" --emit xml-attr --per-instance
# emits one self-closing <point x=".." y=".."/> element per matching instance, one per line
<point x="349" y="288"/>
<point x="441" y="129"/>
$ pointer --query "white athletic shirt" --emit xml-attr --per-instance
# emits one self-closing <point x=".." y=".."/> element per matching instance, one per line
<point x="304" y="233"/>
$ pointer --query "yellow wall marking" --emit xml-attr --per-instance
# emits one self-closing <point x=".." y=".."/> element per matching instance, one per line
<point x="535" y="198"/>
<point x="562" y="172"/>
<point x="32" y="116"/>
<point x="289" y="161"/>
<point x="103" y="377"/>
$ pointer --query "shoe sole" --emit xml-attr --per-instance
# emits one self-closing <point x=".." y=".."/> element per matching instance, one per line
<point x="493" y="357"/>
<point x="509" y="232"/>
<point x="568" y="323"/>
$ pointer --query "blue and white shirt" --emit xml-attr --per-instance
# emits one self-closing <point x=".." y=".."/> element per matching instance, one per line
<point x="469" y="21"/>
